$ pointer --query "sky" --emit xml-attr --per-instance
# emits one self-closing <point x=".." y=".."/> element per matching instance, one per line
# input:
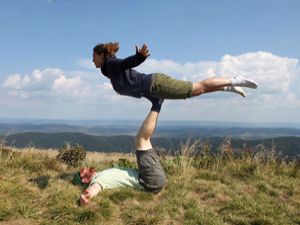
<point x="46" y="69"/>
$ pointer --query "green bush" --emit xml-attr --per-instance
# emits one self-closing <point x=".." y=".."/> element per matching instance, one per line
<point x="73" y="156"/>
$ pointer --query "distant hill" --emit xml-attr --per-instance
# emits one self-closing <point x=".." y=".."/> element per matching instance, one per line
<point x="170" y="130"/>
<point x="288" y="146"/>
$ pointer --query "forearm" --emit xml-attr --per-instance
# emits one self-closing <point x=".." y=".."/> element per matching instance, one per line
<point x="133" y="61"/>
<point x="89" y="193"/>
<point x="116" y="64"/>
<point x="94" y="189"/>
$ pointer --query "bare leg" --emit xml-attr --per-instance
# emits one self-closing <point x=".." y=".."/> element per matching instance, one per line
<point x="142" y="140"/>
<point x="210" y="85"/>
<point x="151" y="174"/>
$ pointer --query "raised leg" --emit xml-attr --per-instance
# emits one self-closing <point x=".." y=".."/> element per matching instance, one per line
<point x="151" y="174"/>
<point x="223" y="84"/>
<point x="142" y="140"/>
<point x="210" y="85"/>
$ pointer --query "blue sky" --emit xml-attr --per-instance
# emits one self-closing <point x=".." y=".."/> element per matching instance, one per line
<point x="46" y="48"/>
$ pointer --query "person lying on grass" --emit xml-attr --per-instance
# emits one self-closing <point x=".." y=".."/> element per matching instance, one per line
<point x="150" y="175"/>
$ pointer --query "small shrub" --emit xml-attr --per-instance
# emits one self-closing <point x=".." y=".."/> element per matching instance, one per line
<point x="73" y="156"/>
<point x="5" y="152"/>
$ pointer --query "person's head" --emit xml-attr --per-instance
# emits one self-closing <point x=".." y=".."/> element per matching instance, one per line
<point x="103" y="51"/>
<point x="84" y="176"/>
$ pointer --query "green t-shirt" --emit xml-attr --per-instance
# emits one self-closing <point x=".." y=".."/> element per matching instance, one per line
<point x="115" y="177"/>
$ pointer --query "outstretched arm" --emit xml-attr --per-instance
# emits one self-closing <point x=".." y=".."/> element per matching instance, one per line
<point x="89" y="193"/>
<point x="144" y="51"/>
<point x="142" y="140"/>
<point x="131" y="61"/>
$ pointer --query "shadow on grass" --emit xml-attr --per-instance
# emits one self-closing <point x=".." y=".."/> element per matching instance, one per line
<point x="42" y="181"/>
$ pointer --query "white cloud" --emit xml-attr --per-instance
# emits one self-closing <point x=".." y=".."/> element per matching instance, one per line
<point x="16" y="81"/>
<point x="87" y="93"/>
<point x="67" y="84"/>
<point x="42" y="85"/>
<point x="273" y="73"/>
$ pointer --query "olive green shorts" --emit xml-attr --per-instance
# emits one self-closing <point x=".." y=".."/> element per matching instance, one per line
<point x="164" y="86"/>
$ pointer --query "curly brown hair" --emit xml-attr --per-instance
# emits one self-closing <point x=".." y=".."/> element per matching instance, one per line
<point x="108" y="49"/>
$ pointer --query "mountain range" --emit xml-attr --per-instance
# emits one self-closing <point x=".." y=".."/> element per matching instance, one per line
<point x="118" y="136"/>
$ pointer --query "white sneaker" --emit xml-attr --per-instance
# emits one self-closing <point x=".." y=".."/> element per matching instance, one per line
<point x="234" y="89"/>
<point x="243" y="82"/>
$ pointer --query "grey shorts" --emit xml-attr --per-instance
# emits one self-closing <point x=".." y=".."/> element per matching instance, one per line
<point x="151" y="174"/>
<point x="166" y="87"/>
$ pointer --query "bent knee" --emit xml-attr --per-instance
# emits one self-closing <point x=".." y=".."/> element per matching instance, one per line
<point x="142" y="143"/>
<point x="159" y="185"/>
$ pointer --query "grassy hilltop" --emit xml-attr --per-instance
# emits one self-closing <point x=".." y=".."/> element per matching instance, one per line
<point x="250" y="189"/>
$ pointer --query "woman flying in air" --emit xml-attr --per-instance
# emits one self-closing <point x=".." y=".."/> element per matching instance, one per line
<point x="156" y="87"/>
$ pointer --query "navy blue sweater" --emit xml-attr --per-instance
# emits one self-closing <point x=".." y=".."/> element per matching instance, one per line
<point x="124" y="79"/>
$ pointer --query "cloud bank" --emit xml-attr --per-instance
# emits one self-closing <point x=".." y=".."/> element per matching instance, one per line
<point x="54" y="93"/>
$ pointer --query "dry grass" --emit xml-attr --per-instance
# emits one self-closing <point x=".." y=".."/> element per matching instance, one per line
<point x="202" y="188"/>
<point x="91" y="156"/>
